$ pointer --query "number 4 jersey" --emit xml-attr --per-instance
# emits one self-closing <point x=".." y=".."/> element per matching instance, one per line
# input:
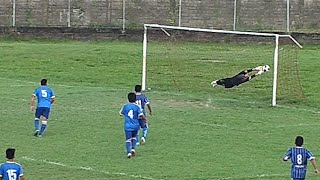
<point x="44" y="95"/>
<point x="11" y="171"/>
<point x="131" y="113"/>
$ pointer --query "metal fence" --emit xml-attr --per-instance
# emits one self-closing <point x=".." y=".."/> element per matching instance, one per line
<point x="244" y="15"/>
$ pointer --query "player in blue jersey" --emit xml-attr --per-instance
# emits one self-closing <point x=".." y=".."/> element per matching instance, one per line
<point x="11" y="170"/>
<point x="45" y="98"/>
<point x="299" y="158"/>
<point x="132" y="113"/>
<point x="142" y="101"/>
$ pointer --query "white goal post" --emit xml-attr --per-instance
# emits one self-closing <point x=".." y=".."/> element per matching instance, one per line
<point x="164" y="27"/>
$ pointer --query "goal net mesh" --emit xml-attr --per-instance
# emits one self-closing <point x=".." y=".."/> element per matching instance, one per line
<point x="187" y="61"/>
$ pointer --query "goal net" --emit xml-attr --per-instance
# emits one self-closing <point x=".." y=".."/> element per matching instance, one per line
<point x="186" y="60"/>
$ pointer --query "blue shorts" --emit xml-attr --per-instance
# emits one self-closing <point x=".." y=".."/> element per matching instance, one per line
<point x="42" y="111"/>
<point x="130" y="134"/>
<point x="142" y="123"/>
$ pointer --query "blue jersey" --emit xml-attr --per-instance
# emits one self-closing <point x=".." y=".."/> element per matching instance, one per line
<point x="131" y="113"/>
<point x="44" y="95"/>
<point x="11" y="171"/>
<point x="299" y="158"/>
<point x="142" y="101"/>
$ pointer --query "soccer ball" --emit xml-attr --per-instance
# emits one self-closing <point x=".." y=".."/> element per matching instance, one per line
<point x="266" y="68"/>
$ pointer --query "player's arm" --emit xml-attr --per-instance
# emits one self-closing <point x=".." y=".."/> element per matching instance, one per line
<point x="33" y="97"/>
<point x="52" y="99"/>
<point x="143" y="117"/>
<point x="287" y="156"/>
<point x="149" y="108"/>
<point x="21" y="177"/>
<point x="121" y="112"/>
<point x="314" y="164"/>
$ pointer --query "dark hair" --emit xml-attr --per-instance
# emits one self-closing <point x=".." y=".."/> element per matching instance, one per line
<point x="44" y="82"/>
<point x="299" y="141"/>
<point x="137" y="88"/>
<point x="132" y="97"/>
<point x="10" y="153"/>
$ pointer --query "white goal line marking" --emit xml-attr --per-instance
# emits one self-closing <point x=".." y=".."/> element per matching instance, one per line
<point x="87" y="168"/>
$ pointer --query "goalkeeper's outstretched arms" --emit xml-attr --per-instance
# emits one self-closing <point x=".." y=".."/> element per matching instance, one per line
<point x="241" y="77"/>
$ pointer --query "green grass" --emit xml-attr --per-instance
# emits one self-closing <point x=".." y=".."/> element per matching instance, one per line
<point x="196" y="132"/>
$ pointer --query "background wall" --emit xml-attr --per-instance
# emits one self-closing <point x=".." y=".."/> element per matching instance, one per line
<point x="266" y="15"/>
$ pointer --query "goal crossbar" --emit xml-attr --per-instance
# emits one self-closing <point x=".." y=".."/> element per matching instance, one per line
<point x="163" y="27"/>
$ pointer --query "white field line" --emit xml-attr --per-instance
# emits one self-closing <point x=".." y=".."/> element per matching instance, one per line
<point x="87" y="168"/>
<point x="143" y="177"/>
<point x="260" y="176"/>
<point x="156" y="92"/>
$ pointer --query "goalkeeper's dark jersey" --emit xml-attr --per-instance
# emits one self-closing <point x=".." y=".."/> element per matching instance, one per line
<point x="235" y="80"/>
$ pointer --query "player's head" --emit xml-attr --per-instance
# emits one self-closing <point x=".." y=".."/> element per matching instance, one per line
<point x="299" y="141"/>
<point x="44" y="82"/>
<point x="10" y="153"/>
<point x="137" y="88"/>
<point x="132" y="97"/>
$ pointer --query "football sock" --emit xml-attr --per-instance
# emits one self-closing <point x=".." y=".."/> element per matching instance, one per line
<point x="134" y="143"/>
<point x="43" y="127"/>
<point x="36" y="124"/>
<point x="145" y="132"/>
<point x="137" y="137"/>
<point x="128" y="146"/>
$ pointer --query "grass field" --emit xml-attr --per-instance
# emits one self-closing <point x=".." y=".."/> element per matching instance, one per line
<point x="196" y="132"/>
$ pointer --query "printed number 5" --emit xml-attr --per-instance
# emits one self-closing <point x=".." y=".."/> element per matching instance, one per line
<point x="44" y="93"/>
<point x="12" y="174"/>
<point x="130" y="114"/>
<point x="299" y="159"/>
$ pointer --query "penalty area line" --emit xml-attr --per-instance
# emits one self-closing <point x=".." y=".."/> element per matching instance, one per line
<point x="86" y="168"/>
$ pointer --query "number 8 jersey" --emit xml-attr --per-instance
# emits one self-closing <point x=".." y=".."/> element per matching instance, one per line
<point x="299" y="157"/>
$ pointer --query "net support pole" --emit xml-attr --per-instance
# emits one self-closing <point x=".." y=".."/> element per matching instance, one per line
<point x="13" y="13"/>
<point x="180" y="9"/>
<point x="235" y="15"/>
<point x="275" y="72"/>
<point x="144" y="60"/>
<point x="123" y="16"/>
<point x="288" y="15"/>
<point x="69" y="13"/>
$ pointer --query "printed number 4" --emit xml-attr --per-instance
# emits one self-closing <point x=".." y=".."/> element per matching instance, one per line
<point x="12" y="174"/>
<point x="130" y="114"/>
<point x="299" y="159"/>
<point x="44" y="93"/>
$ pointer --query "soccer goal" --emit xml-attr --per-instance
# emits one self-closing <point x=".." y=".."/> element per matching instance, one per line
<point x="182" y="58"/>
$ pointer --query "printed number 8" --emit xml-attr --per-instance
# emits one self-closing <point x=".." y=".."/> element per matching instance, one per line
<point x="299" y="159"/>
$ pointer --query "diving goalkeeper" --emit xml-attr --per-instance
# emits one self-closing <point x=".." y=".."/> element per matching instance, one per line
<point x="240" y="78"/>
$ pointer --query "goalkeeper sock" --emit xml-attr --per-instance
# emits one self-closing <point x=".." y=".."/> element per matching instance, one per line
<point x="36" y="124"/>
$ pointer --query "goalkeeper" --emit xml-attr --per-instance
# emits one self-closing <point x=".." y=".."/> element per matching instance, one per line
<point x="240" y="78"/>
